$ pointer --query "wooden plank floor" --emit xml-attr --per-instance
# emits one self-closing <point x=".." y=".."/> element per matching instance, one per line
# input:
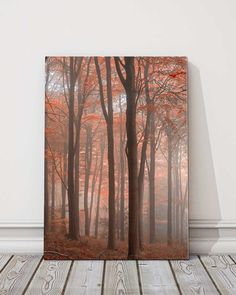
<point x="27" y="274"/>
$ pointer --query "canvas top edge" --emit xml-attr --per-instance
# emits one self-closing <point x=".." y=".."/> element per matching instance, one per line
<point x="159" y="56"/>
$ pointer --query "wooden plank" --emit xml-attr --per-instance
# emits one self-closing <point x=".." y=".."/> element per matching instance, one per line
<point x="192" y="277"/>
<point x="85" y="278"/>
<point x="49" y="278"/>
<point x="222" y="270"/>
<point x="121" y="277"/>
<point x="16" y="275"/>
<point x="3" y="260"/>
<point x="156" y="277"/>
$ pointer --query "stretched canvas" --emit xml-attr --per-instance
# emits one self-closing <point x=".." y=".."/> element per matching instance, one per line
<point x="116" y="158"/>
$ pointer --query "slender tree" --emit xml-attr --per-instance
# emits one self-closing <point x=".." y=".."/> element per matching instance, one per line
<point x="108" y="115"/>
<point x="152" y="180"/>
<point x="74" y="69"/>
<point x="143" y="153"/>
<point x="63" y="188"/>
<point x="88" y="163"/>
<point x="122" y="177"/>
<point x="81" y="99"/>
<point x="102" y="147"/>
<point x="128" y="83"/>
<point x="169" y="170"/>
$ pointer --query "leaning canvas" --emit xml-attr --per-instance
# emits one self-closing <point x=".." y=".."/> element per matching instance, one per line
<point x="116" y="158"/>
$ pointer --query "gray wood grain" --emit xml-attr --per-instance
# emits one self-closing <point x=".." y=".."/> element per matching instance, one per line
<point x="3" y="260"/>
<point x="49" y="278"/>
<point x="192" y="277"/>
<point x="222" y="269"/>
<point x="121" y="277"/>
<point x="157" y="278"/>
<point x="16" y="275"/>
<point x="85" y="278"/>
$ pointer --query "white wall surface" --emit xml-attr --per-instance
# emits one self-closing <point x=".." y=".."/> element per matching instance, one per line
<point x="203" y="30"/>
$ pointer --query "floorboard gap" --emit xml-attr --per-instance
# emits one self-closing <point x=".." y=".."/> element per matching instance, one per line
<point x="7" y="263"/>
<point x="67" y="278"/>
<point x="173" y="273"/>
<point x="139" y="278"/>
<point x="199" y="257"/>
<point x="31" y="278"/>
<point x="103" y="277"/>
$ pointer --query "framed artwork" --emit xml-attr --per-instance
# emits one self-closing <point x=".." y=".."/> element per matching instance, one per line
<point x="116" y="158"/>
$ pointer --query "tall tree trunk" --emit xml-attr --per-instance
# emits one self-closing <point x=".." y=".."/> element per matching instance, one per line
<point x="177" y="195"/>
<point x="108" y="114"/>
<point x="143" y="157"/>
<point x="88" y="161"/>
<point x="118" y="202"/>
<point x="99" y="189"/>
<point x="133" y="247"/>
<point x="81" y="98"/>
<point x="71" y="198"/>
<point x="122" y="179"/>
<point x="63" y="189"/>
<point x="169" y="213"/>
<point x="129" y="85"/>
<point x="111" y="162"/>
<point x="152" y="181"/>
<point x="77" y="175"/>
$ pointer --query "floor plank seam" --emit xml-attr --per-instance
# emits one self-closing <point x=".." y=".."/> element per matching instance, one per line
<point x="6" y="263"/>
<point x="176" y="281"/>
<point x="214" y="283"/>
<point x="233" y="259"/>
<point x="67" y="278"/>
<point x="31" y="278"/>
<point x="103" y="277"/>
<point x="139" y="278"/>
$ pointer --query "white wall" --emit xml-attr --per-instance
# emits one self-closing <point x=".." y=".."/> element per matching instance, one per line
<point x="203" y="30"/>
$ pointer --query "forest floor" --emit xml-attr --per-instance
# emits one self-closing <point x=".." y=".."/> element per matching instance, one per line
<point x="57" y="246"/>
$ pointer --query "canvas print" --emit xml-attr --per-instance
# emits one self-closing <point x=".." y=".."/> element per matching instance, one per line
<point x="116" y="158"/>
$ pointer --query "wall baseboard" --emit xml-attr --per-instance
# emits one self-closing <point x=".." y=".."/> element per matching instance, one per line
<point x="206" y="236"/>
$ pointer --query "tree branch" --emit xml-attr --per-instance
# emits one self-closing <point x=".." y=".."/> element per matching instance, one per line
<point x="119" y="72"/>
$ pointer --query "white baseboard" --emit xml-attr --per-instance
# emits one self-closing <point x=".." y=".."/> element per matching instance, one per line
<point x="206" y="236"/>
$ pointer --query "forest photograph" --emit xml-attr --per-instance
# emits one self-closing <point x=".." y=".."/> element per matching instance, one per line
<point x="116" y="158"/>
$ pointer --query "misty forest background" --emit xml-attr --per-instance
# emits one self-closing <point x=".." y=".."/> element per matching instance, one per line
<point x="116" y="158"/>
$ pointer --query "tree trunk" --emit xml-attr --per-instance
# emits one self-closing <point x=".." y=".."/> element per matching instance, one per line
<point x="122" y="179"/>
<point x="177" y="195"/>
<point x="71" y="198"/>
<point x="133" y="247"/>
<point x="63" y="189"/>
<point x="152" y="181"/>
<point x="143" y="157"/>
<point x="88" y="161"/>
<point x="94" y="180"/>
<point x="81" y="98"/>
<point x="77" y="175"/>
<point x="129" y="85"/>
<point x="118" y="201"/>
<point x="169" y="226"/>
<point x="111" y="163"/>
<point x="99" y="189"/>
